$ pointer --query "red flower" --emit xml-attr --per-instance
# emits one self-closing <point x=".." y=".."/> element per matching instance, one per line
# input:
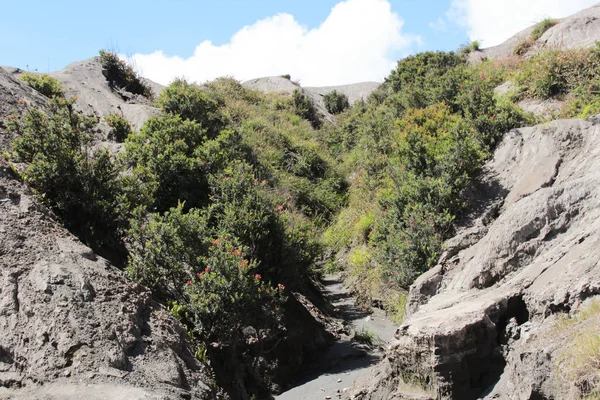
<point x="257" y="276"/>
<point x="189" y="283"/>
<point x="200" y="275"/>
<point x="207" y="269"/>
<point x="280" y="286"/>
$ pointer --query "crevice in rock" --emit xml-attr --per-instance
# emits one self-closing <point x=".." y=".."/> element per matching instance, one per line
<point x="71" y="352"/>
<point x="552" y="179"/>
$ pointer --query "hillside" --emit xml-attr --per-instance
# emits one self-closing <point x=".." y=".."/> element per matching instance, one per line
<point x="578" y="30"/>
<point x="509" y="308"/>
<point x="180" y="241"/>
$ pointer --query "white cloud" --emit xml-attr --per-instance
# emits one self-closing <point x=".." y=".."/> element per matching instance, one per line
<point x="492" y="22"/>
<point x="439" y="25"/>
<point x="359" y="41"/>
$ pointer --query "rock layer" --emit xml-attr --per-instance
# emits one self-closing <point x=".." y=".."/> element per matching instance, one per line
<point x="531" y="253"/>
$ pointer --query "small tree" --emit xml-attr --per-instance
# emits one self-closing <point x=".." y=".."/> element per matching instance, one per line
<point x="45" y="84"/>
<point x="192" y="103"/>
<point x="122" y="75"/>
<point x="120" y="127"/>
<point x="336" y="102"/>
<point x="80" y="185"/>
<point x="304" y="107"/>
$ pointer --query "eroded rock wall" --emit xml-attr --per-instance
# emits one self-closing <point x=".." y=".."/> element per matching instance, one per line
<point x="529" y="252"/>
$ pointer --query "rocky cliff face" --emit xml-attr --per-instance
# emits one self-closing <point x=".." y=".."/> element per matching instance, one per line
<point x="71" y="325"/>
<point x="531" y="251"/>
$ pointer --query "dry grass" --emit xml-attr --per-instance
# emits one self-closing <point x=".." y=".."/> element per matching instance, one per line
<point x="578" y="364"/>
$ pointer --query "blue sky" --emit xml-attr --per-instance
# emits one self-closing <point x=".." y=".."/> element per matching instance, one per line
<point x="317" y="41"/>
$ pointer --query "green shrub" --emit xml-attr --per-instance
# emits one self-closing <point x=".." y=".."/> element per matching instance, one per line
<point x="523" y="46"/>
<point x="191" y="103"/>
<point x="120" y="127"/>
<point x="336" y="102"/>
<point x="81" y="186"/>
<point x="228" y="296"/>
<point x="542" y="27"/>
<point x="558" y="72"/>
<point x="304" y="107"/>
<point x="165" y="156"/>
<point x="365" y="336"/>
<point x="45" y="84"/>
<point x="121" y="75"/>
<point x="470" y="47"/>
<point x="211" y="282"/>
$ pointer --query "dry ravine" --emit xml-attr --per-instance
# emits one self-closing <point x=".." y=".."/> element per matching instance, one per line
<point x="347" y="359"/>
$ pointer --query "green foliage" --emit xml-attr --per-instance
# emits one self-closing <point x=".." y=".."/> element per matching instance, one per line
<point x="336" y="102"/>
<point x="191" y="103"/>
<point x="304" y="107"/>
<point x="523" y="46"/>
<point x="232" y="191"/>
<point x="120" y="127"/>
<point x="214" y="283"/>
<point x="366" y="336"/>
<point x="395" y="305"/>
<point x="578" y="363"/>
<point x="122" y="75"/>
<point x="80" y="185"/>
<point x="166" y="158"/>
<point x="542" y="27"/>
<point x="420" y="73"/>
<point x="45" y="84"/>
<point x="470" y="47"/>
<point x="228" y="295"/>
<point x="411" y="150"/>
<point x="558" y="72"/>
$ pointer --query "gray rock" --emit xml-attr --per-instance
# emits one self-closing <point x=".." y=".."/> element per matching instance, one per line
<point x="276" y="84"/>
<point x="578" y="30"/>
<point x="72" y="325"/>
<point x="471" y="319"/>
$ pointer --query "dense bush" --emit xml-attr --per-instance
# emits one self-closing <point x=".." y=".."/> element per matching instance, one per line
<point x="45" y="84"/>
<point x="191" y="103"/>
<point x="166" y="157"/>
<point x="120" y="127"/>
<point x="122" y="75"/>
<point x="559" y="72"/>
<point x="411" y="150"/>
<point x="304" y="107"/>
<point x="436" y="154"/>
<point x="80" y="185"/>
<point x="335" y="102"/>
<point x="231" y="193"/>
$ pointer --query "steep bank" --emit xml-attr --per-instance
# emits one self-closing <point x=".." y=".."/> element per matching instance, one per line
<point x="531" y="252"/>
<point x="577" y="30"/>
<point x="73" y="326"/>
<point x="347" y="359"/>
<point x="275" y="359"/>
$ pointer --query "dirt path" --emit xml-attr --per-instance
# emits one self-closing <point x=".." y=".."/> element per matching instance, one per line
<point x="346" y="360"/>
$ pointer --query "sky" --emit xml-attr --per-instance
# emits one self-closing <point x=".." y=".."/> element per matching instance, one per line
<point x="318" y="42"/>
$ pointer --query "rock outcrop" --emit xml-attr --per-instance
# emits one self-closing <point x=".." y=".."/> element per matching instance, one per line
<point x="474" y="322"/>
<point x="275" y="84"/>
<point x="578" y="30"/>
<point x="72" y="326"/>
